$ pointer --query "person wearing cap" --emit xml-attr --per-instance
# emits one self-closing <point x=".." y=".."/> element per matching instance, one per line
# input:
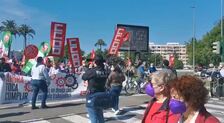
<point x="96" y="77"/>
<point x="40" y="78"/>
<point x="4" y="67"/>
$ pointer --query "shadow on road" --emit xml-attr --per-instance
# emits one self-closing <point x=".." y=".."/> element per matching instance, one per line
<point x="12" y="114"/>
<point x="9" y="122"/>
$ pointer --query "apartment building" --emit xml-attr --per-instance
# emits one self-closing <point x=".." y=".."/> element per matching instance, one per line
<point x="168" y="49"/>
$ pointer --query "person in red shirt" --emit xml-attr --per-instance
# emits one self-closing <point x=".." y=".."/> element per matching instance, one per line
<point x="189" y="93"/>
<point x="157" y="110"/>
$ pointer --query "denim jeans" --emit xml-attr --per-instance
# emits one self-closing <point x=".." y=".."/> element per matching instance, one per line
<point x="36" y="86"/>
<point x="95" y="114"/>
<point x="117" y="91"/>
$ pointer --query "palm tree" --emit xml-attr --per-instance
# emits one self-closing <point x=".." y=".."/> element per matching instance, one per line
<point x="11" y="26"/>
<point x="100" y="43"/>
<point x="25" y="31"/>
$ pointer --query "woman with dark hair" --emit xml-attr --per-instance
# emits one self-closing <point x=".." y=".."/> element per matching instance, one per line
<point x="114" y="82"/>
<point x="189" y="96"/>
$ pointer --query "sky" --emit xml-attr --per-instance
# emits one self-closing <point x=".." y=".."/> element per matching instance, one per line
<point x="90" y="20"/>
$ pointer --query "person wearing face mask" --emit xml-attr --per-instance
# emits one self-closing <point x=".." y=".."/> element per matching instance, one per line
<point x="157" y="110"/>
<point x="188" y="97"/>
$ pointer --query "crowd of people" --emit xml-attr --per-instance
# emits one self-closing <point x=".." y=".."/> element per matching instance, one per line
<point x="173" y="98"/>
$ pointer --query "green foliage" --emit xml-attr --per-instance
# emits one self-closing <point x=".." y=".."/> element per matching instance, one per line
<point x="203" y="48"/>
<point x="156" y="59"/>
<point x="178" y="64"/>
<point x="100" y="43"/>
<point x="25" y="31"/>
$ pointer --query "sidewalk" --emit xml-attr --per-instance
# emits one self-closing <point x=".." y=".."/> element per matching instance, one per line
<point x="27" y="104"/>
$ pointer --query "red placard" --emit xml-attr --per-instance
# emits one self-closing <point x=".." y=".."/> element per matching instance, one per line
<point x="171" y="60"/>
<point x="74" y="52"/>
<point x="58" y="31"/>
<point x="30" y="52"/>
<point x="117" y="40"/>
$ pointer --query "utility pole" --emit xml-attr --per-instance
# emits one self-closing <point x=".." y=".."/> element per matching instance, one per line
<point x="193" y="38"/>
<point x="221" y="35"/>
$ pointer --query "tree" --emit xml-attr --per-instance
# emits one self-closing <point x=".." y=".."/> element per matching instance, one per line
<point x="155" y="58"/>
<point x="100" y="43"/>
<point x="203" y="48"/>
<point x="11" y="26"/>
<point x="178" y="64"/>
<point x="25" y="31"/>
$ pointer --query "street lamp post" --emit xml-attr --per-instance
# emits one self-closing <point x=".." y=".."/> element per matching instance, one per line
<point x="193" y="38"/>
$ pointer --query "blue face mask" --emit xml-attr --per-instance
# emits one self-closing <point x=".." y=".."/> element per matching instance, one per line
<point x="149" y="90"/>
<point x="177" y="106"/>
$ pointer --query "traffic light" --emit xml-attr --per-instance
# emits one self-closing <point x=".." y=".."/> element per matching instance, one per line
<point x="216" y="47"/>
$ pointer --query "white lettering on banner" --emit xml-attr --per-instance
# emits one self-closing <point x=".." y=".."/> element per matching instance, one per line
<point x="118" y="38"/>
<point x="57" y="38"/>
<point x="74" y="48"/>
<point x="58" y="28"/>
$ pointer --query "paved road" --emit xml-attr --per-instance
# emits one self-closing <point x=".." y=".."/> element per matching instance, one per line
<point x="74" y="112"/>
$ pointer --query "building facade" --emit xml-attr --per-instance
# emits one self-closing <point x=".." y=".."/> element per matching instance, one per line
<point x="170" y="48"/>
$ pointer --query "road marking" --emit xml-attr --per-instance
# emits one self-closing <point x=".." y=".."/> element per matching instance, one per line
<point x="40" y="120"/>
<point x="216" y="106"/>
<point x="127" y="118"/>
<point x="76" y="119"/>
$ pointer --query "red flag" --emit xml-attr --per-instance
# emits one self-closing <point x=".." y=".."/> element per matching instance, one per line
<point x="92" y="54"/>
<point x="171" y="60"/>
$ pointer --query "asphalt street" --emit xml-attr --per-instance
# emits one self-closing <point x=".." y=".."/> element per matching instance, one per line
<point x="74" y="111"/>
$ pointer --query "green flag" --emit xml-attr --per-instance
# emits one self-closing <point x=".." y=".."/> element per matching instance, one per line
<point x="44" y="49"/>
<point x="7" y="39"/>
<point x="5" y="42"/>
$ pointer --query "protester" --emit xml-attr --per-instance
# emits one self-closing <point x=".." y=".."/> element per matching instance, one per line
<point x="40" y="78"/>
<point x="54" y="69"/>
<point x="140" y="74"/>
<point x="4" y="67"/>
<point x="189" y="96"/>
<point x="15" y="67"/>
<point x="152" y="68"/>
<point x="96" y="77"/>
<point x="221" y="81"/>
<point x="114" y="82"/>
<point x="166" y="67"/>
<point x="157" y="110"/>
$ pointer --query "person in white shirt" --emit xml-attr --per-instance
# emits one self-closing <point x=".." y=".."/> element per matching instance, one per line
<point x="54" y="69"/>
<point x="40" y="78"/>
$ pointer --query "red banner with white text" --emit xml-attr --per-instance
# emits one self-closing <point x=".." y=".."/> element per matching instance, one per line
<point x="119" y="36"/>
<point x="74" y="52"/>
<point x="57" y="37"/>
